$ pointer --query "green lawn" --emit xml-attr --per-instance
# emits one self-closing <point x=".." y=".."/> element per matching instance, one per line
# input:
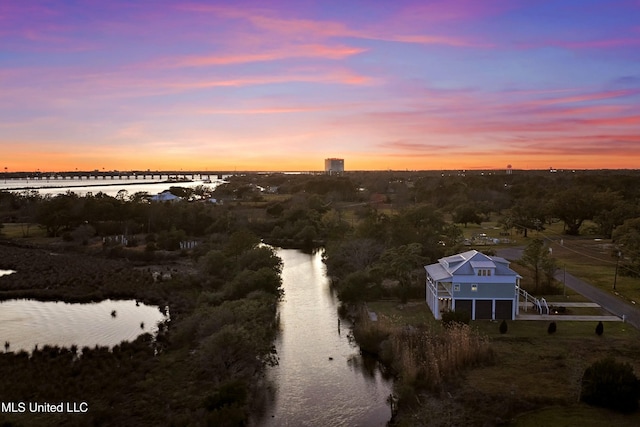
<point x="533" y="365"/>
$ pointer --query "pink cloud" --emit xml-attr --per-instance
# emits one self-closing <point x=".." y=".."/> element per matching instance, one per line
<point x="309" y="29"/>
<point x="445" y="11"/>
<point x="598" y="44"/>
<point x="602" y="144"/>
<point x="448" y="122"/>
<point x="287" y="52"/>
<point x="584" y="97"/>
<point x="335" y="76"/>
<point x="62" y="88"/>
<point x="409" y="147"/>
<point x="614" y="121"/>
<point x="557" y="147"/>
<point x="268" y="110"/>
<point x="603" y="43"/>
<point x="38" y="27"/>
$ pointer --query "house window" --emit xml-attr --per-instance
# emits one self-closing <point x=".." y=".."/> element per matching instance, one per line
<point x="456" y="287"/>
<point x="488" y="272"/>
<point x="474" y="287"/>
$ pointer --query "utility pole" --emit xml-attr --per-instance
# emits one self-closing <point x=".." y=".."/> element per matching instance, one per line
<point x="615" y="277"/>
<point x="564" y="282"/>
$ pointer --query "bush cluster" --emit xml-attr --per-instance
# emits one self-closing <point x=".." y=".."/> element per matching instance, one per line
<point x="611" y="384"/>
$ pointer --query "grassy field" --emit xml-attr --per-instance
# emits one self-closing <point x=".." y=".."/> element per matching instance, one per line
<point x="534" y="365"/>
<point x="17" y="231"/>
<point x="533" y="368"/>
<point x="588" y="257"/>
<point x="575" y="415"/>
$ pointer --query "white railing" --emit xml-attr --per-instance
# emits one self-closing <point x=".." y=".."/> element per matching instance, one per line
<point x="540" y="304"/>
<point x="544" y="308"/>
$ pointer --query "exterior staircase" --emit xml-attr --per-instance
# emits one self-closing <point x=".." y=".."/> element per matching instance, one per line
<point x="539" y="304"/>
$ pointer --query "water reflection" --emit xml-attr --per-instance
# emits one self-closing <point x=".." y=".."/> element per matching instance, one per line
<point x="27" y="323"/>
<point x="321" y="379"/>
<point x="110" y="187"/>
<point x="6" y="272"/>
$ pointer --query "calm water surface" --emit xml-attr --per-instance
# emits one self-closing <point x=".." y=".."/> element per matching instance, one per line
<point x="313" y="390"/>
<point x="107" y="186"/>
<point x="25" y="323"/>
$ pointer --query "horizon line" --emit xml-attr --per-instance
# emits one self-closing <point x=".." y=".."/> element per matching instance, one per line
<point x="259" y="171"/>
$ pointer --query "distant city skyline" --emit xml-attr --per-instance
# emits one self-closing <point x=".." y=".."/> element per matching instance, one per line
<point x="281" y="86"/>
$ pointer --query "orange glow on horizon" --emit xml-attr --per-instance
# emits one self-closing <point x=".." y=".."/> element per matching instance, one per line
<point x="61" y="163"/>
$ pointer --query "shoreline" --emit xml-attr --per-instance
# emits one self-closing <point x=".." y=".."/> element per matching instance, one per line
<point x="56" y="187"/>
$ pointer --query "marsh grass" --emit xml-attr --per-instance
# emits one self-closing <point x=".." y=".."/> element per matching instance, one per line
<point x="426" y="356"/>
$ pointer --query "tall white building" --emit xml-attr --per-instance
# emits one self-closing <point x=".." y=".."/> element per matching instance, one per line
<point x="333" y="165"/>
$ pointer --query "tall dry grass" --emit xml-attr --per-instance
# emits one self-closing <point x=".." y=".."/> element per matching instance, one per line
<point x="423" y="357"/>
<point x="427" y="357"/>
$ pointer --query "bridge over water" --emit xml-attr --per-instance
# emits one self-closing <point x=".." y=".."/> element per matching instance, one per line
<point x="117" y="175"/>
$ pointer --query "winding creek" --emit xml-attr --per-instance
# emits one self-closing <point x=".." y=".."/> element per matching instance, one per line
<point x="321" y="379"/>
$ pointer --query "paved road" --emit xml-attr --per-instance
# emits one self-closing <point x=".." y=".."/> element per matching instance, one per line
<point x="610" y="302"/>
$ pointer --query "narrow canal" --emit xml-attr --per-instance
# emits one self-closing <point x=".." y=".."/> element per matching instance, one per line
<point x="321" y="379"/>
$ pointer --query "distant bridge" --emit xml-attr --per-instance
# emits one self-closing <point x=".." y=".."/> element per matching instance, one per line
<point x="117" y="175"/>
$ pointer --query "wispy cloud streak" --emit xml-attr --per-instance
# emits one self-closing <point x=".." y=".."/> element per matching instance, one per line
<point x="405" y="84"/>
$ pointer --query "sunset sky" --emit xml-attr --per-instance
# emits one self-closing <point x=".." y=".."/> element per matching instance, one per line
<point x="282" y="85"/>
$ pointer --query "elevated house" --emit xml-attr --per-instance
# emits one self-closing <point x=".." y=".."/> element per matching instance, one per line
<point x="471" y="281"/>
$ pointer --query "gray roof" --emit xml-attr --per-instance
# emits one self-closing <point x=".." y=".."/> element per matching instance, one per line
<point x="483" y="264"/>
<point x="465" y="263"/>
<point x="437" y="272"/>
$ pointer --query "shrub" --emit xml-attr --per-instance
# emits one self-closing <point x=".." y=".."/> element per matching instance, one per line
<point x="552" y="328"/>
<point x="600" y="328"/>
<point x="612" y="385"/>
<point x="503" y="327"/>
<point x="358" y="286"/>
<point x="451" y="317"/>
